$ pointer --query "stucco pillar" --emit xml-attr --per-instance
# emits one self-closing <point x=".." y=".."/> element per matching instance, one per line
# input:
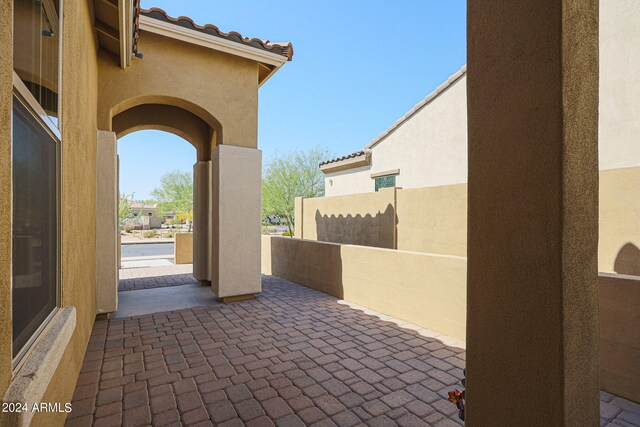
<point x="235" y="222"/>
<point x="107" y="231"/>
<point x="533" y="213"/>
<point x="201" y="230"/>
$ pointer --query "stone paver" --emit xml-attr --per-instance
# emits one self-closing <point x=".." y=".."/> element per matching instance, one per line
<point x="133" y="279"/>
<point x="291" y="357"/>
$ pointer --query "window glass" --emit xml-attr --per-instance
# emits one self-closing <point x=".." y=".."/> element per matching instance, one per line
<point x="36" y="41"/>
<point x="35" y="219"/>
<point x="385" y="181"/>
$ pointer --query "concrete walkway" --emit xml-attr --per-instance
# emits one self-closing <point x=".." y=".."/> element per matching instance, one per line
<point x="291" y="357"/>
<point x="151" y="277"/>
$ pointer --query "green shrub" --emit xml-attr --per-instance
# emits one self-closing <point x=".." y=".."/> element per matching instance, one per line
<point x="127" y="228"/>
<point x="287" y="234"/>
<point x="171" y="234"/>
<point x="149" y="234"/>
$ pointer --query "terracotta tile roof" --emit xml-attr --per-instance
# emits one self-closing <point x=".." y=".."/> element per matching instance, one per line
<point x="283" y="49"/>
<point x="345" y="157"/>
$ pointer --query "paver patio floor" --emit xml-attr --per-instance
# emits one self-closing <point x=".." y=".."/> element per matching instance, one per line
<point x="291" y="357"/>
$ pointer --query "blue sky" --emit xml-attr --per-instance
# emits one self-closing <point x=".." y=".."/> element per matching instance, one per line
<point x="358" y="66"/>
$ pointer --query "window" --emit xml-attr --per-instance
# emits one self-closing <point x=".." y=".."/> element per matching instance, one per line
<point x="35" y="161"/>
<point x="385" y="182"/>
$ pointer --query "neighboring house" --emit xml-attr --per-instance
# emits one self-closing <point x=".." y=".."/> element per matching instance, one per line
<point x="427" y="147"/>
<point x="145" y="215"/>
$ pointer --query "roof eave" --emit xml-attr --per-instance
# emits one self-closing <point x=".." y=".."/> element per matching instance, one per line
<point x="126" y="13"/>
<point x="178" y="32"/>
<point x="351" y="163"/>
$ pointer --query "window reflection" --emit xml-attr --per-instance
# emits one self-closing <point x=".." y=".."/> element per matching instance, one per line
<point x="35" y="234"/>
<point x="35" y="50"/>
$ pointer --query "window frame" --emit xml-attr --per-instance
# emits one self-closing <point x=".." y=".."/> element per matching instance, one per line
<point x="23" y="95"/>
<point x="375" y="181"/>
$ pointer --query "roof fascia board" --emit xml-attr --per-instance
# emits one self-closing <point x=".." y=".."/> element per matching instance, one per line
<point x="177" y="32"/>
<point x="125" y="24"/>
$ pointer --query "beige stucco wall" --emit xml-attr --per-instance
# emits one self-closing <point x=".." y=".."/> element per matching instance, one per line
<point x="430" y="219"/>
<point x="171" y="73"/>
<point x="79" y="96"/>
<point x="424" y="289"/>
<point x="430" y="149"/>
<point x="619" y="317"/>
<point x="359" y="219"/>
<point x="433" y="219"/>
<point x="235" y="175"/>
<point x="183" y="248"/>
<point x="619" y="123"/>
<point x="619" y="244"/>
<point x="107" y="227"/>
<point x="6" y="195"/>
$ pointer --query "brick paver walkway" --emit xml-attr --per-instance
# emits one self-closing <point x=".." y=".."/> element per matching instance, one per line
<point x="292" y="357"/>
<point x="133" y="279"/>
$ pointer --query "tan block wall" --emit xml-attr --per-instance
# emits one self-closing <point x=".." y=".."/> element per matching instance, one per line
<point x="433" y="219"/>
<point x="424" y="289"/>
<point x="619" y="244"/>
<point x="429" y="219"/>
<point x="183" y="248"/>
<point x="619" y="335"/>
<point x="79" y="98"/>
<point x="358" y="219"/>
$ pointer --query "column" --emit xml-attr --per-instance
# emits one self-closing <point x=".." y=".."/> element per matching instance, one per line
<point x="236" y="176"/>
<point x="107" y="230"/>
<point x="201" y="231"/>
<point x="533" y="213"/>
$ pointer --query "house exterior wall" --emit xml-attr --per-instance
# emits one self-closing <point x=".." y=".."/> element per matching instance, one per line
<point x="170" y="74"/>
<point x="6" y="195"/>
<point x="79" y="100"/>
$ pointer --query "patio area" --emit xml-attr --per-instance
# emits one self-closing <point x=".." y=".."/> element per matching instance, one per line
<point x="293" y="356"/>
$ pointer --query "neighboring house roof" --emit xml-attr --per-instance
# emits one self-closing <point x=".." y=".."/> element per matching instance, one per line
<point x="280" y="48"/>
<point x="345" y="157"/>
<point x="350" y="161"/>
<point x="139" y="205"/>
<point x="419" y="106"/>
